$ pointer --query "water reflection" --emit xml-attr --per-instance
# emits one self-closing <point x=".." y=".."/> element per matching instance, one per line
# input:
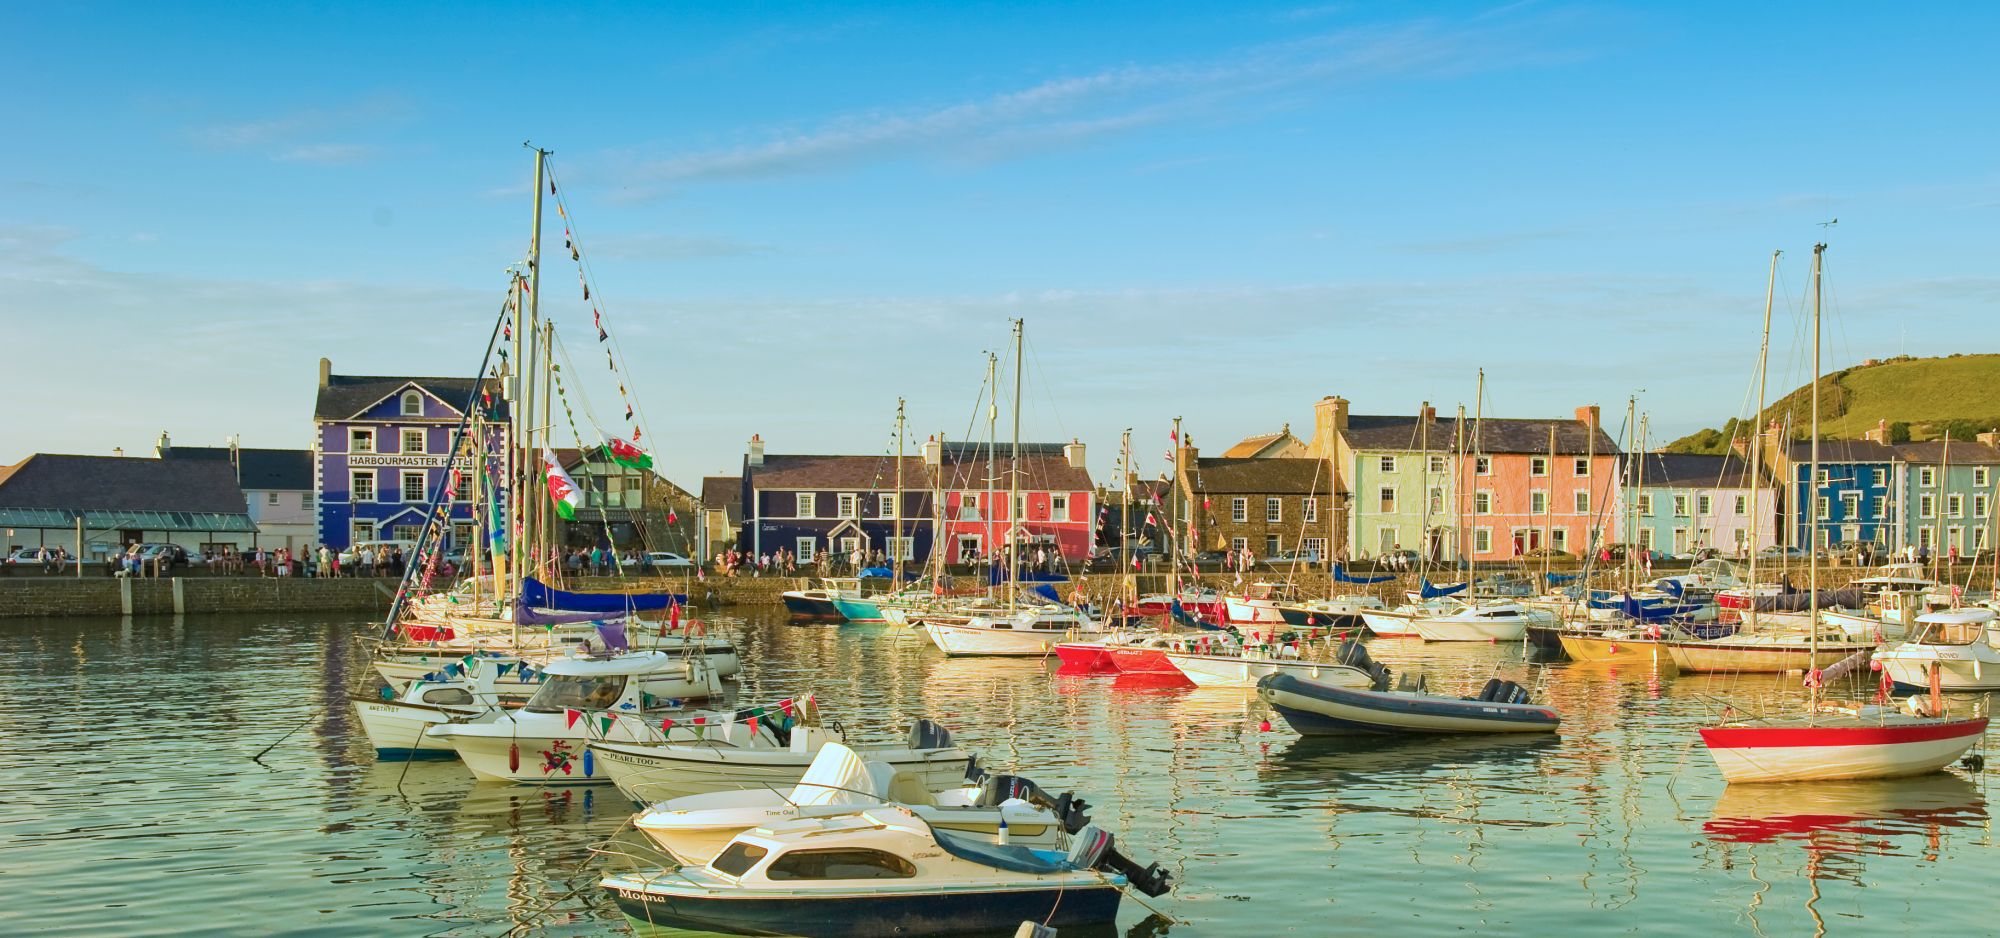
<point x="1886" y="818"/>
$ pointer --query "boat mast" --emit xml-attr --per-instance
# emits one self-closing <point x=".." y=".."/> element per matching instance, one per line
<point x="1424" y="491"/>
<point x="1478" y="442"/>
<point x="1014" y="520"/>
<point x="992" y="437"/>
<point x="523" y="412"/>
<point x="1631" y="485"/>
<point x="896" y="541"/>
<point x="1549" y="510"/>
<point x="545" y="345"/>
<point x="1125" y="517"/>
<point x="1464" y="491"/>
<point x="1169" y="536"/>
<point x="1812" y="507"/>
<point x="1757" y="437"/>
<point x="1937" y="509"/>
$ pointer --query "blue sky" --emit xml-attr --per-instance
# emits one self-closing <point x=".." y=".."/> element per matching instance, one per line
<point x="796" y="214"/>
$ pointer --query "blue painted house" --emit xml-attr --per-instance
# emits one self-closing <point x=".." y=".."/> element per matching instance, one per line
<point x="809" y="503"/>
<point x="381" y="448"/>
<point x="1947" y="491"/>
<point x="1853" y="500"/>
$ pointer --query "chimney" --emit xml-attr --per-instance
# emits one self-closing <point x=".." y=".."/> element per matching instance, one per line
<point x="1588" y="416"/>
<point x="933" y="453"/>
<point x="325" y="372"/>
<point x="1074" y="453"/>
<point x="1430" y="414"/>
<point x="165" y="448"/>
<point x="1881" y="432"/>
<point x="1990" y="437"/>
<point x="756" y="451"/>
<point x="118" y="451"/>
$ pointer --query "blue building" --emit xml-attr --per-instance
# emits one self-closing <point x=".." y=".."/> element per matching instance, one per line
<point x="809" y="503"/>
<point x="381" y="448"/>
<point x="1946" y="491"/>
<point x="1854" y="499"/>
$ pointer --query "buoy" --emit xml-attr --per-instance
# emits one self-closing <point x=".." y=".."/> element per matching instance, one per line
<point x="513" y="757"/>
<point x="589" y="762"/>
<point x="1264" y="727"/>
<point x="1614" y="649"/>
<point x="1002" y="834"/>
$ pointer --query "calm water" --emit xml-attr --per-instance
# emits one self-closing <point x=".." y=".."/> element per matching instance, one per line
<point x="133" y="807"/>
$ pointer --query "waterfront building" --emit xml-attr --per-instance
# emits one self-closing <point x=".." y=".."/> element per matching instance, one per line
<point x="1055" y="508"/>
<point x="1943" y="496"/>
<point x="1279" y="445"/>
<point x="381" y="446"/>
<point x="1686" y="503"/>
<point x="277" y="486"/>
<point x="109" y="502"/>
<point x="625" y="507"/>
<point x="1401" y="473"/>
<point x="810" y="503"/>
<point x="1853" y="501"/>
<point x="1266" y="505"/>
<point x="721" y="515"/>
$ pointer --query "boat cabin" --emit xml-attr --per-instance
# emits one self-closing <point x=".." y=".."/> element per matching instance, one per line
<point x="1954" y="627"/>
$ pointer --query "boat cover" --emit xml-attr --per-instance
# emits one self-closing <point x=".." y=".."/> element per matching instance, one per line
<point x="1013" y="858"/>
<point x="1340" y="575"/>
<point x="1559" y="579"/>
<point x="528" y="616"/>
<point x="536" y="593"/>
<point x="1433" y="592"/>
<point x="1793" y="602"/>
<point x="1181" y="616"/>
<point x="838" y="775"/>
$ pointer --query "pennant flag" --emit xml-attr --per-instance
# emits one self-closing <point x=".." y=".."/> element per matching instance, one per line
<point x="562" y="488"/>
<point x="605" y="722"/>
<point x="628" y="411"/>
<point x="785" y="706"/>
<point x="1173" y="437"/>
<point x="626" y="454"/>
<point x="635" y="434"/>
<point x="505" y="668"/>
<point x="672" y="517"/>
<point x="1149" y="520"/>
<point x="570" y="717"/>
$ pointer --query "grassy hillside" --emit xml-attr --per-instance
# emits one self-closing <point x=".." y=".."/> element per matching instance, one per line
<point x="1920" y="397"/>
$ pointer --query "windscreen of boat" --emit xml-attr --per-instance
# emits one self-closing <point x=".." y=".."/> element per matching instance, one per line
<point x="737" y="858"/>
<point x="576" y="692"/>
<point x="838" y="863"/>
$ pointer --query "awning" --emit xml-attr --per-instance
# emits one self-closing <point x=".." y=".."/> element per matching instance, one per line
<point x="191" y="521"/>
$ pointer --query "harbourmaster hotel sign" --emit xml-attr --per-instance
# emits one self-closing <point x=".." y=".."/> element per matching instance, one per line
<point x="406" y="461"/>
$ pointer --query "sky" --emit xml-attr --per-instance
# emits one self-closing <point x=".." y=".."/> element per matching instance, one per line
<point x="795" y="215"/>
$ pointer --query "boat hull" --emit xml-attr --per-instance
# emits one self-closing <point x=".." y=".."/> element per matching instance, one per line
<point x="1588" y="648"/>
<point x="866" y="912"/>
<point x="399" y="729"/>
<point x="1817" y="753"/>
<point x="1747" y="657"/>
<point x="1316" y="708"/>
<point x="972" y="638"/>
<point x="1130" y="660"/>
<point x="1447" y="629"/>
<point x="858" y="610"/>
<point x="810" y="607"/>
<point x="1958" y="668"/>
<point x="1232" y="671"/>
<point x="1389" y="625"/>
<point x="1253" y="611"/>
<point x="1085" y="658"/>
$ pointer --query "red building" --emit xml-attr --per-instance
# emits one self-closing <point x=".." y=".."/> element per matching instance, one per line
<point x="1055" y="509"/>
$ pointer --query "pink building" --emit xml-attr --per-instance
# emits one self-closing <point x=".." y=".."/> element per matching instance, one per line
<point x="1529" y="484"/>
<point x="1055" y="510"/>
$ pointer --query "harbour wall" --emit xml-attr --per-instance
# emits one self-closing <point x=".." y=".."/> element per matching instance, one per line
<point x="43" y="596"/>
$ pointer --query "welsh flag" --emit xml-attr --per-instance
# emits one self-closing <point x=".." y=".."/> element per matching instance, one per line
<point x="562" y="488"/>
<point x="626" y="454"/>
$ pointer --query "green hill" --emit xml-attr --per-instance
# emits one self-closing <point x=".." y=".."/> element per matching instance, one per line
<point x="1921" y="398"/>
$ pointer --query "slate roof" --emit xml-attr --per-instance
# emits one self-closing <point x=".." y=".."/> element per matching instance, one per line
<point x="258" y="469"/>
<point x="1044" y="468"/>
<point x="1842" y="451"/>
<point x="347" y="395"/>
<point x="859" y="473"/>
<point x="1688" y="470"/>
<point x="119" y="483"/>
<point x="1932" y="452"/>
<point x="1368" y="432"/>
<point x="1252" y="445"/>
<point x="724" y="494"/>
<point x="1278" y="476"/>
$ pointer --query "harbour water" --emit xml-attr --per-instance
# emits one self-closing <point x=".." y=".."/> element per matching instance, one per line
<point x="134" y="806"/>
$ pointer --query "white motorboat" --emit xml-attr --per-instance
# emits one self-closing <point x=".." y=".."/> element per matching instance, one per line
<point x="1397" y="622"/>
<point x="727" y="756"/>
<point x="1483" y="622"/>
<point x="583" y="699"/>
<point x="1764" y="652"/>
<point x="1027" y="631"/>
<point x="1961" y="646"/>
<point x="1258" y="605"/>
<point x="882" y="871"/>
<point x="1230" y="664"/>
<point x="396" y="722"/>
<point x="694" y="828"/>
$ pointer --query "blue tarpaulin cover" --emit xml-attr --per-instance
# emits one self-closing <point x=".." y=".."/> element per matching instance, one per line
<point x="1340" y="575"/>
<point x="536" y="593"/>
<point x="1432" y="592"/>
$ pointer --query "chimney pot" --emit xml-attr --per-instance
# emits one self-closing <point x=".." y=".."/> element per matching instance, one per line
<point x="756" y="450"/>
<point x="1588" y="415"/>
<point x="325" y="372"/>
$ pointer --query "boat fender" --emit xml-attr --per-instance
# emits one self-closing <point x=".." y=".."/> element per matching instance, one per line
<point x="513" y="757"/>
<point x="589" y="763"/>
<point x="1034" y="930"/>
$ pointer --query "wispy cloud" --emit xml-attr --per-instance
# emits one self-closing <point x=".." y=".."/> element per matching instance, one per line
<point x="1068" y="110"/>
<point x="298" y="137"/>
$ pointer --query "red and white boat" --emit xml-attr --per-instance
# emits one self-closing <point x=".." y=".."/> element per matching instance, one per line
<point x="1259" y="604"/>
<point x="1204" y="604"/>
<point x="1868" y="743"/>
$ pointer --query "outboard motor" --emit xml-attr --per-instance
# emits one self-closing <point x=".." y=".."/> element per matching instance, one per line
<point x="974" y="773"/>
<point x="1068" y="810"/>
<point x="1491" y="691"/>
<point x="1094" y="848"/>
<point x="1354" y="655"/>
<point x="926" y="734"/>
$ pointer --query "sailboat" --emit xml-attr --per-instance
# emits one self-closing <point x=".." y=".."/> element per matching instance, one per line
<point x="1032" y="628"/>
<point x="1834" y="741"/>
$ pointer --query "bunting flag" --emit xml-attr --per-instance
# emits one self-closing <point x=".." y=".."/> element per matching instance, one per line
<point x="562" y="488"/>
<point x="628" y="411"/>
<point x="673" y="516"/>
<point x="605" y="722"/>
<point x="570" y="717"/>
<point x="626" y="454"/>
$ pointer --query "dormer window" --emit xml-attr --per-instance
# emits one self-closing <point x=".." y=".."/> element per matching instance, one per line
<point x="413" y="404"/>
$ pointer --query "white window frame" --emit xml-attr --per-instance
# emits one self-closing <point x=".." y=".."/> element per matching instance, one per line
<point x="1385" y="464"/>
<point x="423" y="440"/>
<point x="806" y="505"/>
<point x="1680" y="505"/>
<point x="847" y="505"/>
<point x="354" y="477"/>
<point x="1438" y="465"/>
<point x="1704" y="505"/>
<point x="1386" y="539"/>
<point x="1825" y="508"/>
<point x="1582" y="468"/>
<point x="885" y="504"/>
<point x="1385" y="499"/>
<point x="1274" y="510"/>
<point x="404" y="532"/>
<point x="1926" y="476"/>
<point x="1309" y="510"/>
<point x="1482" y="502"/>
<point x="1646" y="539"/>
<point x="1742" y="505"/>
<point x="271" y="499"/>
<point x="1274" y="544"/>
<point x="1825" y="476"/>
<point x="1239" y="510"/>
<point x="1482" y="465"/>
<point x="1239" y="544"/>
<point x="1880" y="504"/>
<point x="1979" y="505"/>
<point x="461" y="485"/>
<point x="1058" y="506"/>
<point x="306" y="501"/>
<point x="1559" y="538"/>
<point x="1482" y="540"/>
<point x="1981" y="476"/>
<point x="1954" y="505"/>
<point x="1646" y="504"/>
<point x="409" y="398"/>
<point x="1538" y="501"/>
<point x="1538" y="465"/>
<point x="805" y="547"/>
<point x="1581" y="501"/>
<point x="1927" y="506"/>
<point x="462" y="533"/>
<point x="361" y="439"/>
<point x="1313" y="546"/>
<point x="360" y="530"/>
<point x="403" y="485"/>
<point x="900" y="548"/>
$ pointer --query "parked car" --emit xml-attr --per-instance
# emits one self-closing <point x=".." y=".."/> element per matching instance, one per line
<point x="1290" y="557"/>
<point x="170" y="556"/>
<point x="27" y="556"/>
<point x="666" y="560"/>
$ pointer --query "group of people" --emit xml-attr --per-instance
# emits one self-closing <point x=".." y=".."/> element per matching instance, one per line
<point x="781" y="562"/>
<point x="602" y="561"/>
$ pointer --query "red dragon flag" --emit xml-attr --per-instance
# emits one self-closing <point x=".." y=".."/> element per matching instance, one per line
<point x="562" y="488"/>
<point x="626" y="454"/>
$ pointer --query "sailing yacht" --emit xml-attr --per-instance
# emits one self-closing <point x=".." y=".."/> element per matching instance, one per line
<point x="1833" y="740"/>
